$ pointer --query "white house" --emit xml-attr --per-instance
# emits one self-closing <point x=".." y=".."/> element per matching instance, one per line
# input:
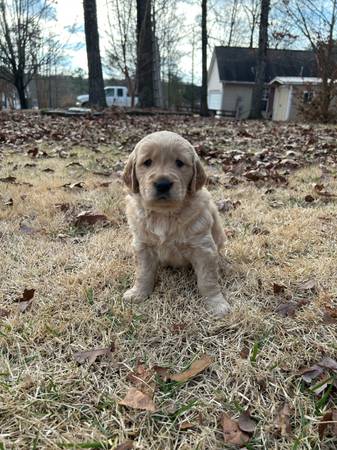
<point x="231" y="76"/>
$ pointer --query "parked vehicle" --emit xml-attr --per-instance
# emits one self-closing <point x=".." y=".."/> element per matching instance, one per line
<point x="115" y="96"/>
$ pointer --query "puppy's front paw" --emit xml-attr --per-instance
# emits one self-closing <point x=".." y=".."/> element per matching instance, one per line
<point x="134" y="294"/>
<point x="218" y="306"/>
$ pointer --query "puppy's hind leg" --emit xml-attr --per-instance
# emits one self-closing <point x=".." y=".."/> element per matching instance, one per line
<point x="146" y="269"/>
<point x="205" y="264"/>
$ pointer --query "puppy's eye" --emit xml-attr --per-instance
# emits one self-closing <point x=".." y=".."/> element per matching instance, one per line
<point x="179" y="163"/>
<point x="148" y="162"/>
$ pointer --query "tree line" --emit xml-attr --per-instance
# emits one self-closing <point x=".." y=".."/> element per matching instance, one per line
<point x="145" y="37"/>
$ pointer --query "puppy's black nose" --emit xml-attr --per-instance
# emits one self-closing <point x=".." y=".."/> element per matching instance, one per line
<point x="163" y="185"/>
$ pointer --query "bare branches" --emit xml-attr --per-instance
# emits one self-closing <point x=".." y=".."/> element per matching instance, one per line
<point x="316" y="20"/>
<point x="23" y="44"/>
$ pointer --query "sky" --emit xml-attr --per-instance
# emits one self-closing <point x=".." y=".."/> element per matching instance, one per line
<point x="70" y="12"/>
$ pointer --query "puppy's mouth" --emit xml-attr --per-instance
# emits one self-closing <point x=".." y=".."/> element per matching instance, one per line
<point x="162" y="201"/>
<point x="162" y="197"/>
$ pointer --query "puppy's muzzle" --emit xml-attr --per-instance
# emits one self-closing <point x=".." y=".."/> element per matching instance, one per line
<point x="162" y="188"/>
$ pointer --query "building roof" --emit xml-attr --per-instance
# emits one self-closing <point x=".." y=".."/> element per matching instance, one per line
<point x="237" y="64"/>
<point x="296" y="80"/>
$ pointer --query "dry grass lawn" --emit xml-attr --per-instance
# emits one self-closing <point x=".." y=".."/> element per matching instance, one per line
<point x="49" y="401"/>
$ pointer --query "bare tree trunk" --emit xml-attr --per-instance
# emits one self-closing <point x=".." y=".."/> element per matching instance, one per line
<point x="232" y="22"/>
<point x="96" y="83"/>
<point x="20" y="87"/>
<point x="260" y="70"/>
<point x="327" y="65"/>
<point x="251" y="40"/>
<point x="145" y="41"/>
<point x="203" y="100"/>
<point x="251" y="9"/>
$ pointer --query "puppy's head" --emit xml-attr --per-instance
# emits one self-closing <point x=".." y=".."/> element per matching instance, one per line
<point x="164" y="168"/>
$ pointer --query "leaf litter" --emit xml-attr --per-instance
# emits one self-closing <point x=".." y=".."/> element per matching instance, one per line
<point x="90" y="356"/>
<point x="275" y="169"/>
<point x="26" y="300"/>
<point x="196" y="367"/>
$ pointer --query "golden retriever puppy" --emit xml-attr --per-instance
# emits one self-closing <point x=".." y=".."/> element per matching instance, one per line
<point x="172" y="218"/>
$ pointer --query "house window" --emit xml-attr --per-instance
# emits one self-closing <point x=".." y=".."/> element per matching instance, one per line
<point x="110" y="92"/>
<point x="265" y="97"/>
<point x="308" y="96"/>
<point x="119" y="92"/>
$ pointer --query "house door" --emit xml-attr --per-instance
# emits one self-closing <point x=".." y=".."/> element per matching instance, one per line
<point x="280" y="105"/>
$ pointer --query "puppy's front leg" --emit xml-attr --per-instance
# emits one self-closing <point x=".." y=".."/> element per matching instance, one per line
<point x="205" y="264"/>
<point x="146" y="268"/>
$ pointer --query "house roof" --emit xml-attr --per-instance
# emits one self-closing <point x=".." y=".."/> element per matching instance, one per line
<point x="296" y="80"/>
<point x="237" y="64"/>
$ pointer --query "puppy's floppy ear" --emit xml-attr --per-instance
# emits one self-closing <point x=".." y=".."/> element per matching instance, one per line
<point x="129" y="175"/>
<point x="199" y="176"/>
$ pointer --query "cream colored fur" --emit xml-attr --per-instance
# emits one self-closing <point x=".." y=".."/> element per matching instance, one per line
<point x="183" y="229"/>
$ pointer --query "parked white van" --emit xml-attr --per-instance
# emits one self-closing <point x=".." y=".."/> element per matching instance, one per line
<point x="115" y="95"/>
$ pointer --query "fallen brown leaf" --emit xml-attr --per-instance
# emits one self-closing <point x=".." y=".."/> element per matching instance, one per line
<point x="27" y="229"/>
<point x="33" y="152"/>
<point x="4" y="312"/>
<point x="254" y="175"/>
<point x="179" y="327"/>
<point x="232" y="433"/>
<point x="102" y="173"/>
<point x="329" y="420"/>
<point x="105" y="184"/>
<point x="318" y="187"/>
<point x="328" y="363"/>
<point x="138" y="400"/>
<point x="330" y="317"/>
<point x="9" y="179"/>
<point x="213" y="180"/>
<point x="307" y="285"/>
<point x="278" y="288"/>
<point x="143" y="379"/>
<point x="74" y="163"/>
<point x="162" y="372"/>
<point x="91" y="355"/>
<point x="320" y="370"/>
<point x="196" y="367"/>
<point x="89" y="218"/>
<point x="25" y="302"/>
<point x="320" y="190"/>
<point x="310" y="373"/>
<point x="282" y="421"/>
<point x="260" y="231"/>
<point x="229" y="232"/>
<point x="287" y="309"/>
<point x="227" y="204"/>
<point x="244" y="352"/>
<point x="27" y="295"/>
<point x="62" y="206"/>
<point x="186" y="426"/>
<point x="127" y="445"/>
<point x="309" y="198"/>
<point x="246" y="423"/>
